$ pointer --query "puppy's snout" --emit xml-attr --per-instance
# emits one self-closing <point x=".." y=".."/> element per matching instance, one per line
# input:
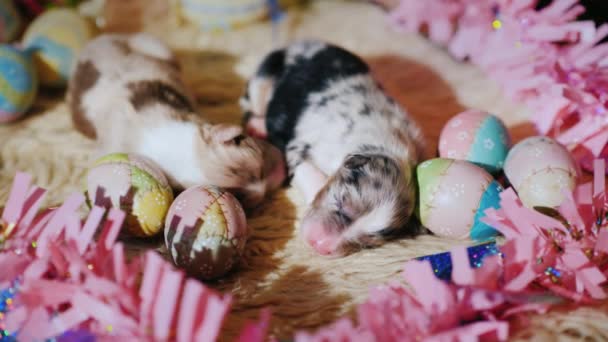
<point x="318" y="237"/>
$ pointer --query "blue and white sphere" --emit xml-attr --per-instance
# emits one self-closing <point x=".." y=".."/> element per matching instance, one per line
<point x="18" y="82"/>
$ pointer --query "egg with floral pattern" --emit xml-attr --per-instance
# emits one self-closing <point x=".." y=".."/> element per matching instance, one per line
<point x="206" y="231"/>
<point x="135" y="185"/>
<point x="476" y="136"/>
<point x="18" y="82"/>
<point x="57" y="36"/>
<point x="540" y="169"/>
<point x="453" y="196"/>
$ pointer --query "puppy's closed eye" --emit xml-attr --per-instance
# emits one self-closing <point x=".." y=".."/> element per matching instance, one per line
<point x="344" y="218"/>
<point x="356" y="161"/>
<point x="238" y="139"/>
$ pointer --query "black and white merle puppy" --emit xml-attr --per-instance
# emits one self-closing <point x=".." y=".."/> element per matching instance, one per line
<point x="350" y="148"/>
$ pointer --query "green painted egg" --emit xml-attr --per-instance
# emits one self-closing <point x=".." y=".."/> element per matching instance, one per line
<point x="134" y="184"/>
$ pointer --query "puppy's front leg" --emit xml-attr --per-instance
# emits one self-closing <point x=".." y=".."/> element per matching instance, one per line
<point x="309" y="180"/>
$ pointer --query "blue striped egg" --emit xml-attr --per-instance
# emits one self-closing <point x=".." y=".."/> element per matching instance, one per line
<point x="18" y="82"/>
<point x="478" y="137"/>
<point x="10" y="21"/>
<point x="57" y="36"/>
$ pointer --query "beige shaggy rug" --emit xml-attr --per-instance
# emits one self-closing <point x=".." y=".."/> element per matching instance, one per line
<point x="304" y="290"/>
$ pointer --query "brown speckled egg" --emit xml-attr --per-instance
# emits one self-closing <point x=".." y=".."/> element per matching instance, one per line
<point x="135" y="185"/>
<point x="206" y="231"/>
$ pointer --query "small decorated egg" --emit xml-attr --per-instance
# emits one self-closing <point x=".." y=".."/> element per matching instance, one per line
<point x="57" y="35"/>
<point x="476" y="136"/>
<point x="453" y="197"/>
<point x="18" y="82"/>
<point x="134" y="184"/>
<point x="540" y="169"/>
<point x="221" y="14"/>
<point x="206" y="231"/>
<point x="10" y="21"/>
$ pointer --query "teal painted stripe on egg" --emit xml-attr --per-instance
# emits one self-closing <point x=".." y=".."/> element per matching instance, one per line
<point x="490" y="146"/>
<point x="489" y="199"/>
<point x="60" y="54"/>
<point x="14" y="70"/>
<point x="8" y="106"/>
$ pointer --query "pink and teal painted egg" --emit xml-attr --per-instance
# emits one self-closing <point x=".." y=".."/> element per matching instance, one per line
<point x="477" y="137"/>
<point x="134" y="184"/>
<point x="453" y="195"/>
<point x="540" y="169"/>
<point x="18" y="82"/>
<point x="206" y="231"/>
<point x="10" y="21"/>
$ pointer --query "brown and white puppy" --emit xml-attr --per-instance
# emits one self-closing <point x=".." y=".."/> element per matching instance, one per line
<point x="127" y="93"/>
<point x="350" y="148"/>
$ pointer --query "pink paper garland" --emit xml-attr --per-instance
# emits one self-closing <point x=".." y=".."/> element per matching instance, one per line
<point x="543" y="58"/>
<point x="76" y="284"/>
<point x="69" y="282"/>
<point x="545" y="262"/>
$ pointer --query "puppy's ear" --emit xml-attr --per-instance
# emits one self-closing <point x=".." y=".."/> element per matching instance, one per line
<point x="227" y="134"/>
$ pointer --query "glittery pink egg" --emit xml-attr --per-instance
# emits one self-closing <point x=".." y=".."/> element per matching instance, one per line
<point x="540" y="169"/>
<point x="206" y="231"/>
<point x="475" y="136"/>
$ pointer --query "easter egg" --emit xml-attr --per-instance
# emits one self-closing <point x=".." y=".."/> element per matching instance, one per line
<point x="10" y="21"/>
<point x="540" y="169"/>
<point x="18" y="82"/>
<point x="475" y="136"/>
<point x="453" y="197"/>
<point x="57" y="36"/>
<point x="205" y="231"/>
<point x="221" y="14"/>
<point x="133" y="184"/>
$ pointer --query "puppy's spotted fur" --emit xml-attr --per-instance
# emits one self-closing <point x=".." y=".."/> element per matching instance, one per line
<point x="319" y="104"/>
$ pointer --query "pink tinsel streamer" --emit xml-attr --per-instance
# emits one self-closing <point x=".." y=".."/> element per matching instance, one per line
<point x="544" y="58"/>
<point x="69" y="282"/>
<point x="480" y="304"/>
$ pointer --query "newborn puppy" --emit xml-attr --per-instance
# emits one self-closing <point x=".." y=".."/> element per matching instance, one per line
<point x="126" y="92"/>
<point x="350" y="148"/>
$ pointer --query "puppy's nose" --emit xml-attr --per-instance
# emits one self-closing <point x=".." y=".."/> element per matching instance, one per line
<point x="317" y="237"/>
<point x="323" y="245"/>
